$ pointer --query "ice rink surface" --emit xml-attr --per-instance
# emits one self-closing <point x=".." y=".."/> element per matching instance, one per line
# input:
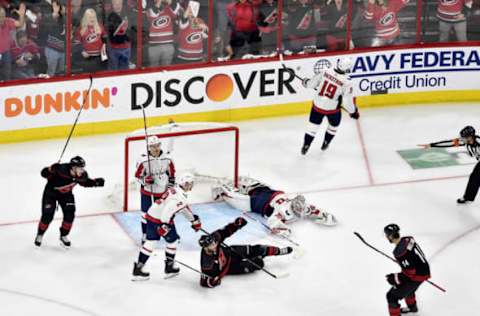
<point x="361" y="179"/>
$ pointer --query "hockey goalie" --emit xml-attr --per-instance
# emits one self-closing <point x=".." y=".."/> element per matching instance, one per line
<point x="278" y="209"/>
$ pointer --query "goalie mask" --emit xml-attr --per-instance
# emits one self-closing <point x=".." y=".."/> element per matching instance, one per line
<point x="298" y="205"/>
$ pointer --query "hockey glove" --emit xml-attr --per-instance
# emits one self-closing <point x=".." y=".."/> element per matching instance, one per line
<point x="240" y="222"/>
<point x="393" y="279"/>
<point x="196" y="224"/>
<point x="163" y="230"/>
<point x="149" y="180"/>
<point x="305" y="82"/>
<point x="99" y="182"/>
<point x="355" y="115"/>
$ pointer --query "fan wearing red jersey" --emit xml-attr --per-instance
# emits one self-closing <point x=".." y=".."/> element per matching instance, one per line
<point x="160" y="22"/>
<point x="192" y="33"/>
<point x="384" y="15"/>
<point x="452" y="14"/>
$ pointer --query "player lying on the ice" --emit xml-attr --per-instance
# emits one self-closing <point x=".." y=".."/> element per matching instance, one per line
<point x="218" y="259"/>
<point x="254" y="196"/>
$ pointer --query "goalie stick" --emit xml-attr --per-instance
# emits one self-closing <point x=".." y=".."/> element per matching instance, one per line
<point x="392" y="259"/>
<point x="275" y="276"/>
<point x="269" y="229"/>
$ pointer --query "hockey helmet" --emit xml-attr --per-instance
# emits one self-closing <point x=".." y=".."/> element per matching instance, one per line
<point x="206" y="240"/>
<point x="298" y="205"/>
<point x="187" y="177"/>
<point x="467" y="131"/>
<point x="153" y="140"/>
<point x="344" y="64"/>
<point x="77" y="161"/>
<point x="392" y="230"/>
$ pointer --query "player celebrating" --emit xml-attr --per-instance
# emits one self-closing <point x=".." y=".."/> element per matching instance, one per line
<point x="415" y="270"/>
<point x="61" y="179"/>
<point x="218" y="260"/>
<point x="256" y="197"/>
<point x="471" y="141"/>
<point x="332" y="87"/>
<point x="155" y="173"/>
<point x="160" y="223"/>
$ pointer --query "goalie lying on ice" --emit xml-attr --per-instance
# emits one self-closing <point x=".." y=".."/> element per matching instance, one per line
<point x="275" y="206"/>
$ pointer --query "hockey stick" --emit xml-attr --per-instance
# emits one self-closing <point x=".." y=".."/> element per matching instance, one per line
<point x="275" y="276"/>
<point x="269" y="229"/>
<point x="85" y="98"/>
<point x="192" y="268"/>
<point x="393" y="259"/>
<point x="290" y="70"/>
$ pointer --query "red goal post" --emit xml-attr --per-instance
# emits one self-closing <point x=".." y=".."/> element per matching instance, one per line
<point x="175" y="131"/>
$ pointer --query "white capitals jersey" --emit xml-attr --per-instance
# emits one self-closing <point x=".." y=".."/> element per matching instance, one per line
<point x="281" y="215"/>
<point x="330" y="86"/>
<point x="172" y="201"/>
<point x="162" y="172"/>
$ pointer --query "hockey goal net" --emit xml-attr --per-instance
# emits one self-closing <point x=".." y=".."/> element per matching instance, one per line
<point x="207" y="150"/>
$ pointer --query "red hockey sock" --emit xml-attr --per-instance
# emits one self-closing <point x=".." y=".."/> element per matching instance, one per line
<point x="65" y="229"/>
<point x="42" y="228"/>
<point x="394" y="311"/>
<point x="411" y="300"/>
<point x="272" y="251"/>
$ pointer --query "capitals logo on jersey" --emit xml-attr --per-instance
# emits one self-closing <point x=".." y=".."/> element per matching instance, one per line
<point x="161" y="22"/>
<point x="388" y="18"/>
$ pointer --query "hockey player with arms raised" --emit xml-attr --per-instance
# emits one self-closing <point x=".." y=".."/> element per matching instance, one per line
<point x="415" y="270"/>
<point x="218" y="259"/>
<point x="155" y="172"/>
<point x="332" y="87"/>
<point x="274" y="205"/>
<point x="471" y="141"/>
<point x="160" y="224"/>
<point x="61" y="179"/>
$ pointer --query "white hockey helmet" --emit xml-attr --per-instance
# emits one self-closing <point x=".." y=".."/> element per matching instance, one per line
<point x="186" y="178"/>
<point x="344" y="64"/>
<point x="153" y="140"/>
<point x="298" y="205"/>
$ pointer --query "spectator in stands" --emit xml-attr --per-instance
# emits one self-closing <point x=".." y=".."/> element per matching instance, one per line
<point x="8" y="27"/>
<point x="26" y="55"/>
<point x="300" y="30"/>
<point x="384" y="15"/>
<point x="161" y="23"/>
<point x="268" y="26"/>
<point x="452" y="15"/>
<point x="337" y="21"/>
<point x="221" y="49"/>
<point x="33" y="21"/>
<point x="119" y="49"/>
<point x="191" y="36"/>
<point x="53" y="31"/>
<point x="91" y="39"/>
<point x="221" y="18"/>
<point x="242" y="18"/>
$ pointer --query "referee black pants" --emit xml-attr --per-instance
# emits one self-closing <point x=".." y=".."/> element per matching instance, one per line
<point x="473" y="184"/>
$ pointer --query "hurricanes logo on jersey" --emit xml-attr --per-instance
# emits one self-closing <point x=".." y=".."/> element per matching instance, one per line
<point x="387" y="19"/>
<point x="305" y="22"/>
<point x="92" y="37"/>
<point x="194" y="38"/>
<point x="272" y="17"/>
<point x="161" y="22"/>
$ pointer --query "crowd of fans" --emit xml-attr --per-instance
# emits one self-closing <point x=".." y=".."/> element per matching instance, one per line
<point x="104" y="33"/>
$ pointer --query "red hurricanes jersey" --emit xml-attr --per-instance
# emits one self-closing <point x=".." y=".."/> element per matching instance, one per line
<point x="448" y="10"/>
<point x="160" y="25"/>
<point x="190" y="41"/>
<point x="91" y="41"/>
<point x="385" y="18"/>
